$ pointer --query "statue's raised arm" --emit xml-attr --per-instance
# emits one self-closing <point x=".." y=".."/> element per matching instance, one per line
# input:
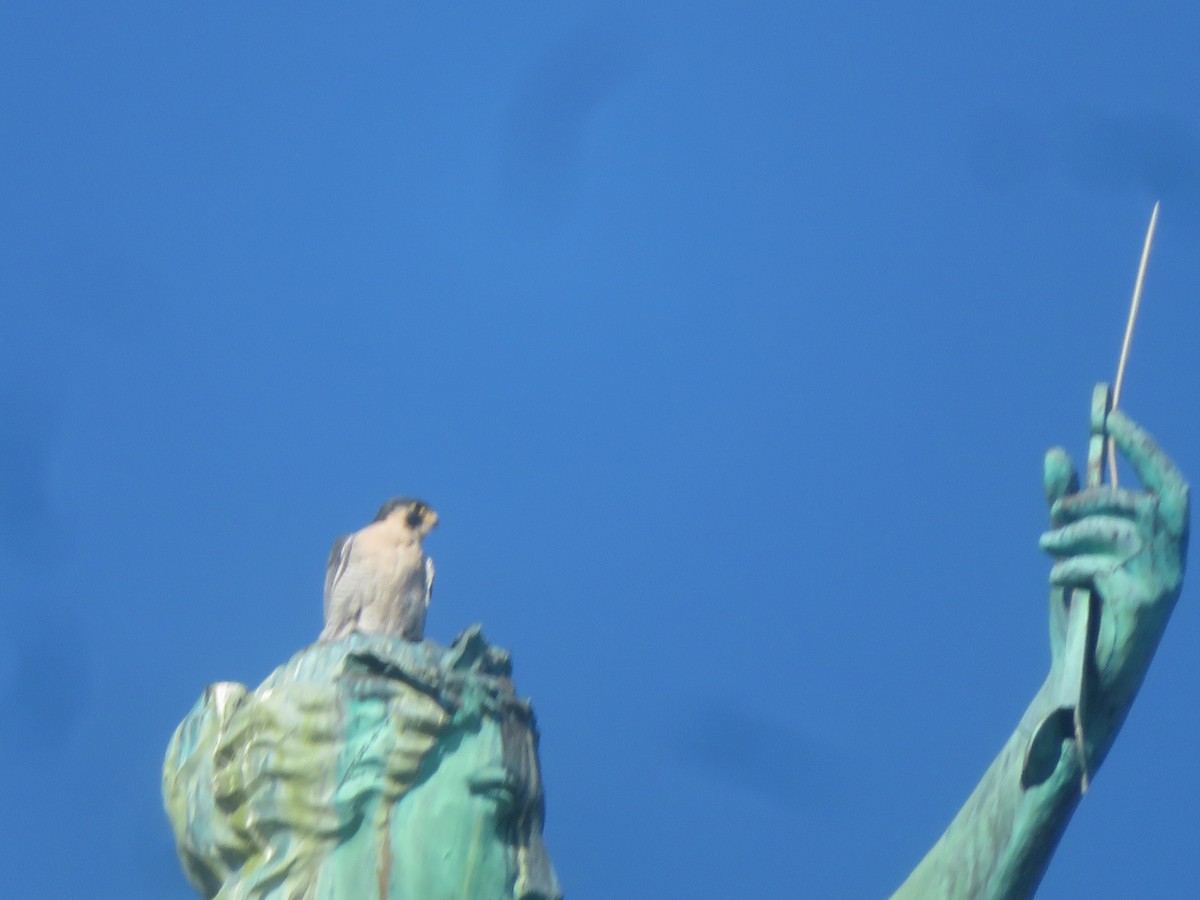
<point x="1123" y="553"/>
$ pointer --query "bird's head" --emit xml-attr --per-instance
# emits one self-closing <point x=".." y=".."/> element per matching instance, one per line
<point x="416" y="515"/>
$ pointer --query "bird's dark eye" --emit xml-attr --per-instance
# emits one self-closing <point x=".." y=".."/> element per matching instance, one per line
<point x="416" y="515"/>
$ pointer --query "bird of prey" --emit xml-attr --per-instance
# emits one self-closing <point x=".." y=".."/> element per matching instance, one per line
<point x="378" y="580"/>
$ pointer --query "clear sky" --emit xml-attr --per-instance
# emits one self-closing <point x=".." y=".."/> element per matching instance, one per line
<point x="725" y="337"/>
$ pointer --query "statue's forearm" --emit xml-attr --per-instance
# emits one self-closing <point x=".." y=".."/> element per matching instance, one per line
<point x="1001" y="841"/>
<point x="1120" y="558"/>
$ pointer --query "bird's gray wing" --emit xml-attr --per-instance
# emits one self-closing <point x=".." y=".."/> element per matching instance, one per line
<point x="339" y="558"/>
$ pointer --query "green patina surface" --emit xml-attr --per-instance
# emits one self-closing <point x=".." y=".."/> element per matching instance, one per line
<point x="366" y="767"/>
<point x="375" y="767"/>
<point x="1122" y="553"/>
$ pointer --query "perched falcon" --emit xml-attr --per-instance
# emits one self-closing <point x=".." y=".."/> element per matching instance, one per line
<point x="378" y="579"/>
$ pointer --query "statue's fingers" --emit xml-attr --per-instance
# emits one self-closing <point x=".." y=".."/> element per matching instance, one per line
<point x="1152" y="465"/>
<point x="1058" y="475"/>
<point x="1082" y="571"/>
<point x="1111" y="536"/>
<point x="1100" y="500"/>
<point x="1155" y="469"/>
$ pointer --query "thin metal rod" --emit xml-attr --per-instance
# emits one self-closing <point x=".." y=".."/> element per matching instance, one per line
<point x="1133" y="311"/>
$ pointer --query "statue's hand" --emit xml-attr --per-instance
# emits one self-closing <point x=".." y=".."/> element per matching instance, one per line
<point x="1128" y="547"/>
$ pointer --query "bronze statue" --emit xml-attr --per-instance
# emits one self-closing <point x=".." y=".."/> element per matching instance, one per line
<point x="1120" y="561"/>
<point x="376" y="764"/>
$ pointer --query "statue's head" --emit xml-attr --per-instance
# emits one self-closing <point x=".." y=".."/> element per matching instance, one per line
<point x="367" y="767"/>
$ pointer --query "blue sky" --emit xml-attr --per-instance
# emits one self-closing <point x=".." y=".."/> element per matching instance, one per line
<point x="726" y="338"/>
